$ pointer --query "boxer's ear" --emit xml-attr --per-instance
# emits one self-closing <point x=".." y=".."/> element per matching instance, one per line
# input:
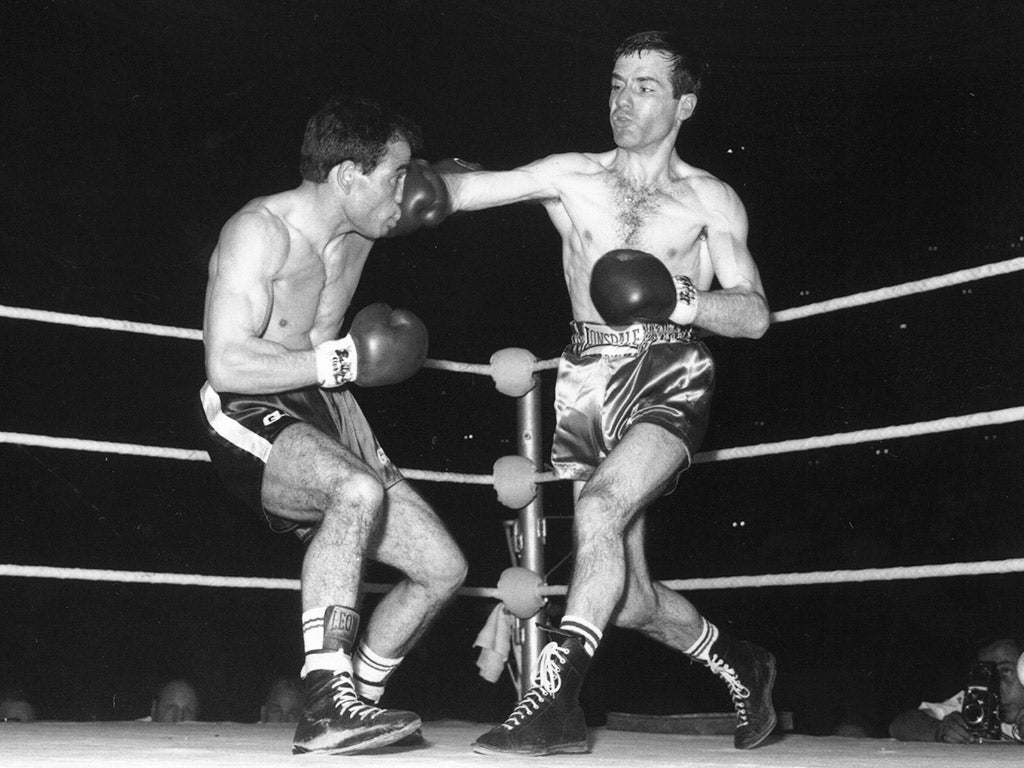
<point x="344" y="174"/>
<point x="687" y="103"/>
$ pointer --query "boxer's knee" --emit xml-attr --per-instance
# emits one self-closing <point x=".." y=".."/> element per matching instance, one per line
<point x="599" y="513"/>
<point x="450" y="573"/>
<point x="357" y="496"/>
<point x="441" y="569"/>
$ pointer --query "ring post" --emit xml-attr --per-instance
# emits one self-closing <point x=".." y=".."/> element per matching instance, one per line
<point x="531" y="525"/>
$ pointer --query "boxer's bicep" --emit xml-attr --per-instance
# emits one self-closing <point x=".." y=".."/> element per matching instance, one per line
<point x="241" y="288"/>
<point x="733" y="264"/>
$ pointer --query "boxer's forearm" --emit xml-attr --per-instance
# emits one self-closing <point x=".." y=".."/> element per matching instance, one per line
<point x="733" y="312"/>
<point x="255" y="366"/>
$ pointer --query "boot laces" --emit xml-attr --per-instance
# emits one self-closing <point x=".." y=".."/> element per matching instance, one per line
<point x="347" y="703"/>
<point x="547" y="681"/>
<point x="739" y="692"/>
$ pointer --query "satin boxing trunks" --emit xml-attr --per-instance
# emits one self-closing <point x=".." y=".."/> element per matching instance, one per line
<point x="241" y="429"/>
<point x="612" y="378"/>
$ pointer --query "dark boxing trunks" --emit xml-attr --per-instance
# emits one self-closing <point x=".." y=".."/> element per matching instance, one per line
<point x="610" y="379"/>
<point x="241" y="430"/>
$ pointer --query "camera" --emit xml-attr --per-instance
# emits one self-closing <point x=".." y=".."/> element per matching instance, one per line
<point x="981" y="701"/>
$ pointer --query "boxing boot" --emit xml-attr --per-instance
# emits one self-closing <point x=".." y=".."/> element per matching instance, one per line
<point x="749" y="672"/>
<point x="548" y="719"/>
<point x="335" y="721"/>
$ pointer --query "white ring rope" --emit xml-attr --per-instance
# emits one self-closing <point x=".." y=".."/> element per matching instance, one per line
<point x="100" y="446"/>
<point x="821" y="307"/>
<point x="948" y="424"/>
<point x="84" y="321"/>
<point x="904" y="289"/>
<point x="731" y="582"/>
<point x="979" y="568"/>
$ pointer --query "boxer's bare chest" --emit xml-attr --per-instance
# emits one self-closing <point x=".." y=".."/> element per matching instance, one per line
<point x="609" y="212"/>
<point x="311" y="297"/>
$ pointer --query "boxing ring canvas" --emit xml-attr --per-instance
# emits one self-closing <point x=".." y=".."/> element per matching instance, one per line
<point x="160" y="745"/>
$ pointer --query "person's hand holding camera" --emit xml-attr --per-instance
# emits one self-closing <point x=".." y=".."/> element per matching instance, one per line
<point x="953" y="730"/>
<point x="1018" y="727"/>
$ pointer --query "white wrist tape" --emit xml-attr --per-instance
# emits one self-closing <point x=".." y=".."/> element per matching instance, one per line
<point x="686" y="301"/>
<point x="336" y="363"/>
<point x="685" y="291"/>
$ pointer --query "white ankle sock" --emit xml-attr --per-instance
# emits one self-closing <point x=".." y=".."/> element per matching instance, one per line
<point x="701" y="648"/>
<point x="371" y="672"/>
<point x="583" y="629"/>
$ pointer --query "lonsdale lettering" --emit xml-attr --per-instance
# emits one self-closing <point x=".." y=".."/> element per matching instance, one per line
<point x="595" y="340"/>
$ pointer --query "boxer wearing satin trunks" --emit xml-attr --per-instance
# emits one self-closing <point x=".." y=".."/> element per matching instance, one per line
<point x="241" y="429"/>
<point x="612" y="378"/>
<point x="652" y="246"/>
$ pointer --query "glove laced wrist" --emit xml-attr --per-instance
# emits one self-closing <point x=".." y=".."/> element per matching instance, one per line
<point x="336" y="362"/>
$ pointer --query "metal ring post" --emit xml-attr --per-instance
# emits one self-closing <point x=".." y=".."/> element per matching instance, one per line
<point x="530" y="525"/>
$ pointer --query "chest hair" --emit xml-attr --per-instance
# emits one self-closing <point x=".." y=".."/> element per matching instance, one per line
<point x="635" y="206"/>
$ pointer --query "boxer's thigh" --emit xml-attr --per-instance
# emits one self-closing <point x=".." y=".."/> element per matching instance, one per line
<point x="308" y="471"/>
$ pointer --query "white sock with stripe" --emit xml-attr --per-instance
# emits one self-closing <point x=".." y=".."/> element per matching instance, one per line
<point x="371" y="671"/>
<point x="583" y="629"/>
<point x="701" y="649"/>
<point x="328" y="635"/>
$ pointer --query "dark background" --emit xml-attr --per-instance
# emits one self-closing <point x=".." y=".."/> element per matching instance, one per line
<point x="872" y="142"/>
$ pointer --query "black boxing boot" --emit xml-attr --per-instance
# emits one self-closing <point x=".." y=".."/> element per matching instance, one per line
<point x="548" y="719"/>
<point x="749" y="671"/>
<point x="335" y="721"/>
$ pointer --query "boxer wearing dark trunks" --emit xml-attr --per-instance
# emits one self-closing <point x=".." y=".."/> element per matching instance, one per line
<point x="644" y="237"/>
<point x="287" y="434"/>
<point x="241" y="430"/>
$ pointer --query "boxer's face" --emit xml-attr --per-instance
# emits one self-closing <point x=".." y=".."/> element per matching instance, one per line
<point x="641" y="107"/>
<point x="378" y="193"/>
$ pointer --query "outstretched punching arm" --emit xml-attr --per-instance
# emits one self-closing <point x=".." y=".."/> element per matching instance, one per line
<point x="488" y="189"/>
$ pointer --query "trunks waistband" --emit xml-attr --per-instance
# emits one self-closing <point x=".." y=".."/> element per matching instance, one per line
<point x="605" y="341"/>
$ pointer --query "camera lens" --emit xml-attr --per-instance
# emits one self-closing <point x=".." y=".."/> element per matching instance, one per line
<point x="973" y="713"/>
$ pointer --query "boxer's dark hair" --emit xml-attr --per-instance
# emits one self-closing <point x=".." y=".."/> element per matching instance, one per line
<point x="688" y="66"/>
<point x="352" y="128"/>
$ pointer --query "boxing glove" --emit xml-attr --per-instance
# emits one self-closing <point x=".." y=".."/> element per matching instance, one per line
<point x="628" y="286"/>
<point x="383" y="346"/>
<point x="425" y="201"/>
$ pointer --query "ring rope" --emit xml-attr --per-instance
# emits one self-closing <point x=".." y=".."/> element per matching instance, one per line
<point x="107" y="324"/>
<point x="947" y="424"/>
<point x="821" y="307"/>
<point x="897" y="573"/>
<point x="904" y="289"/>
<point x="816" y="577"/>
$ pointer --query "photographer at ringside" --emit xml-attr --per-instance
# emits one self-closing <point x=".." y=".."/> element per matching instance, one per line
<point x="989" y="708"/>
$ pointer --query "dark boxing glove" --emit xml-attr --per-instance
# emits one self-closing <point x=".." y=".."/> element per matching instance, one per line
<point x="630" y="286"/>
<point x="383" y="346"/>
<point x="425" y="200"/>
